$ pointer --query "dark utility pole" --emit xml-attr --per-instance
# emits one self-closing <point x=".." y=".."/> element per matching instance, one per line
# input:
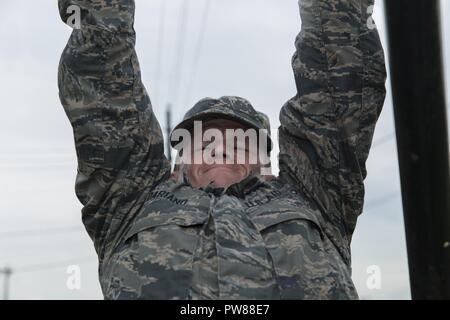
<point x="420" y="117"/>
<point x="7" y="272"/>
<point x="168" y="131"/>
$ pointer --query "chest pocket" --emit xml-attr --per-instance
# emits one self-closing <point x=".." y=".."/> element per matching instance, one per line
<point x="294" y="238"/>
<point x="284" y="210"/>
<point x="182" y="217"/>
<point x="156" y="259"/>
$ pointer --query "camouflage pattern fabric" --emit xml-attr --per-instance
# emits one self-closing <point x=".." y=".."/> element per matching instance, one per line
<point x="229" y="107"/>
<point x="287" y="238"/>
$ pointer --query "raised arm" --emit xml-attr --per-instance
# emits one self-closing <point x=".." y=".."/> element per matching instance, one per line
<point x="327" y="128"/>
<point x="118" y="140"/>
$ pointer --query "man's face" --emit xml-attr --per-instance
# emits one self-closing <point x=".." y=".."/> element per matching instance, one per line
<point x="231" y="170"/>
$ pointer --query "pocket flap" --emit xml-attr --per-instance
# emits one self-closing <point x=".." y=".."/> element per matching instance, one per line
<point x="265" y="220"/>
<point x="155" y="219"/>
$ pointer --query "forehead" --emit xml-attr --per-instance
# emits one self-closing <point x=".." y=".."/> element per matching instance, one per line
<point x="223" y="124"/>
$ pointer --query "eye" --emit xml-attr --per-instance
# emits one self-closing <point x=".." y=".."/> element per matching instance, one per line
<point x="242" y="147"/>
<point x="207" y="145"/>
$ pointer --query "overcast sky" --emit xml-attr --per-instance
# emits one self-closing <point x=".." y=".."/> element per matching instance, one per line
<point x="246" y="51"/>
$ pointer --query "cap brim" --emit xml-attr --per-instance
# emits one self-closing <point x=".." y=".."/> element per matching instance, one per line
<point x="188" y="124"/>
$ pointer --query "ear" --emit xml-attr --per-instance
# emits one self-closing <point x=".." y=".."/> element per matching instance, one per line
<point x="269" y="178"/>
<point x="175" y="175"/>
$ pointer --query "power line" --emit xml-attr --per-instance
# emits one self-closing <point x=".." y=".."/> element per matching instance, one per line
<point x="378" y="202"/>
<point x="198" y="50"/>
<point x="35" y="165"/>
<point x="159" y="57"/>
<point x="179" y="53"/>
<point x="27" y="156"/>
<point x="383" y="140"/>
<point x="8" y="271"/>
<point x="39" y="232"/>
<point x="52" y="265"/>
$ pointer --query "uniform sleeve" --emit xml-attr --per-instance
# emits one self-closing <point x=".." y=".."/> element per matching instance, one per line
<point x="118" y="140"/>
<point x="327" y="128"/>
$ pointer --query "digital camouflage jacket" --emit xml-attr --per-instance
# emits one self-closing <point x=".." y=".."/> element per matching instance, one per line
<point x="288" y="238"/>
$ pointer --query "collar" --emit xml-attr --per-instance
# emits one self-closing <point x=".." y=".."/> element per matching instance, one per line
<point x="239" y="189"/>
<point x="245" y="186"/>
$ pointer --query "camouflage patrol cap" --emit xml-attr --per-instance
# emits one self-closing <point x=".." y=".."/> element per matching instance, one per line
<point x="228" y="107"/>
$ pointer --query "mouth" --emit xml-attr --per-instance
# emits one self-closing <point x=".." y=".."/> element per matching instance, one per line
<point x="220" y="167"/>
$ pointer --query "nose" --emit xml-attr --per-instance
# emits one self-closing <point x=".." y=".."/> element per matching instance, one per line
<point x="219" y="154"/>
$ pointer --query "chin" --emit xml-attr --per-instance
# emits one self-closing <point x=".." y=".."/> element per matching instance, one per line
<point x="224" y="177"/>
<point x="223" y="184"/>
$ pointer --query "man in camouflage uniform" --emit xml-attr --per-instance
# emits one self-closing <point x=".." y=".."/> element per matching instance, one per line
<point x="284" y="238"/>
